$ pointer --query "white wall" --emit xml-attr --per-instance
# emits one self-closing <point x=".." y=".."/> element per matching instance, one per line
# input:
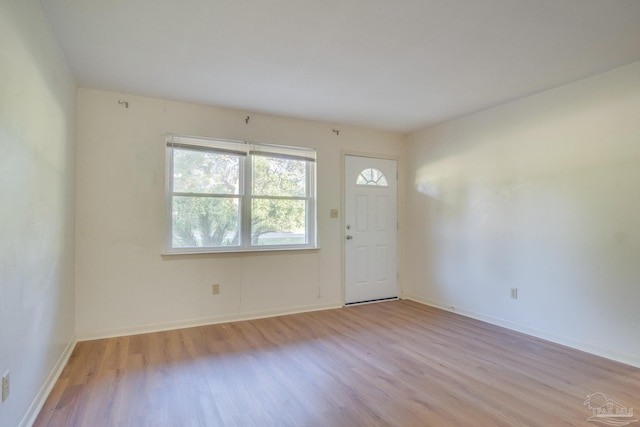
<point x="124" y="285"/>
<point x="37" y="134"/>
<point x="543" y="195"/>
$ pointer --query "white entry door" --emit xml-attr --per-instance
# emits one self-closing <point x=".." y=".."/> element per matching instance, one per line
<point x="371" y="222"/>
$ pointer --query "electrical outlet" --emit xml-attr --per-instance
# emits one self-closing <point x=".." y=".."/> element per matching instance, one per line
<point x="514" y="293"/>
<point x="215" y="289"/>
<point x="5" y="386"/>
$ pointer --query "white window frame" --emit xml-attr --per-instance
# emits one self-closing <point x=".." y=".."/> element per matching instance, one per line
<point x="246" y="152"/>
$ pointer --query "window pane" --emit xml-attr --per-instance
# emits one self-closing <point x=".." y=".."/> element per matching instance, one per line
<point x="205" y="222"/>
<point x="274" y="176"/>
<point x="372" y="176"/>
<point x="278" y="222"/>
<point x="199" y="171"/>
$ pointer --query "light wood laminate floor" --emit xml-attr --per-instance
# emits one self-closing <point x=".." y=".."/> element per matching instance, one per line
<point x="395" y="363"/>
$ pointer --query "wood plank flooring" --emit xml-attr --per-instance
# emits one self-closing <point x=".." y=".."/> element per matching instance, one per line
<point x="388" y="364"/>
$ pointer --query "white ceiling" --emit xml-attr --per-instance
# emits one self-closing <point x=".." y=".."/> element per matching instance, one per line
<point x="396" y="65"/>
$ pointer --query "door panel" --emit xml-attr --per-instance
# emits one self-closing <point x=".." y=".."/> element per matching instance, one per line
<point x="362" y="213"/>
<point x="383" y="205"/>
<point x="371" y="229"/>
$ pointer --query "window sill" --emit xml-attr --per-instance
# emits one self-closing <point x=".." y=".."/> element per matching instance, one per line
<point x="239" y="251"/>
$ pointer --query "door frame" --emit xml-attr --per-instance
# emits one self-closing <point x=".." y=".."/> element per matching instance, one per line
<point x="400" y="218"/>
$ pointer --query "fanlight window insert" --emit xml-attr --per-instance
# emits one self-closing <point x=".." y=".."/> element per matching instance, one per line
<point x="372" y="177"/>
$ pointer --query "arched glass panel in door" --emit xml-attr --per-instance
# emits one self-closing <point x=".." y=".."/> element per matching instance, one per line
<point x="372" y="177"/>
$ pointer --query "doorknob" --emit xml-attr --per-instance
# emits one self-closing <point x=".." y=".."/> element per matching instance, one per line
<point x="349" y="237"/>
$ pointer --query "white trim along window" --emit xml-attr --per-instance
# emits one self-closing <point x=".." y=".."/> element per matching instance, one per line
<point x="230" y="196"/>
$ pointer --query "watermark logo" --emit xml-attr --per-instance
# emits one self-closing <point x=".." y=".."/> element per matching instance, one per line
<point x="608" y="411"/>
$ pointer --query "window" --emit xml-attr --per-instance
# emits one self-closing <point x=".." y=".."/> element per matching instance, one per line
<point x="226" y="196"/>
<point x="373" y="177"/>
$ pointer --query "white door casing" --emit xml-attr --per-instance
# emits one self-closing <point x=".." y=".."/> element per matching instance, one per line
<point x="371" y="229"/>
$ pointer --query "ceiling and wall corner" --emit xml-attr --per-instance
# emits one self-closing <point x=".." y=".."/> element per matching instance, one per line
<point x="398" y="66"/>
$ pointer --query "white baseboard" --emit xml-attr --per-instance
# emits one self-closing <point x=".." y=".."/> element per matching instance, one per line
<point x="628" y="359"/>
<point x="40" y="399"/>
<point x="225" y="318"/>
